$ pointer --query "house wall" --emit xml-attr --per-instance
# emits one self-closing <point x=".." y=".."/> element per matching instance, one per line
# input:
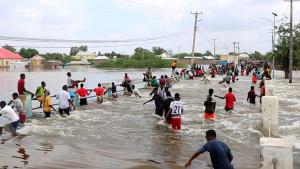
<point x="6" y="62"/>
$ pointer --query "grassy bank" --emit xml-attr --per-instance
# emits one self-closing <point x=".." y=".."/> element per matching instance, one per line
<point x="135" y="63"/>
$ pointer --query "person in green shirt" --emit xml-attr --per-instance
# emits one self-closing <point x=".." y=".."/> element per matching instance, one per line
<point x="154" y="82"/>
<point x="40" y="93"/>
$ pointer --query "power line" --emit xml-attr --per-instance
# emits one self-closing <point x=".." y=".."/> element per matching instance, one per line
<point x="27" y="39"/>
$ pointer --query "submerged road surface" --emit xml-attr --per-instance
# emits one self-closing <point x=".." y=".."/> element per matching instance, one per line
<point x="125" y="135"/>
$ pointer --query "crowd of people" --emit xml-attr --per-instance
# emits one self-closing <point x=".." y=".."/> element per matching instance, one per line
<point x="168" y="106"/>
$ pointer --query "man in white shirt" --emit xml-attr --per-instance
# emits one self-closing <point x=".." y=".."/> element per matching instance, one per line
<point x="9" y="120"/>
<point x="64" y="101"/>
<point x="176" y="109"/>
<point x="17" y="104"/>
<point x="136" y="91"/>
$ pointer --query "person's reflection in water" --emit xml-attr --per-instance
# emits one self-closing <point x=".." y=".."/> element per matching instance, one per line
<point x="23" y="156"/>
<point x="167" y="147"/>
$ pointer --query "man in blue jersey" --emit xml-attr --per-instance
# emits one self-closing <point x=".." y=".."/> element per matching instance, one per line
<point x="220" y="154"/>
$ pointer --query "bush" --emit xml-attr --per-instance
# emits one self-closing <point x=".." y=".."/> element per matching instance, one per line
<point x="154" y="62"/>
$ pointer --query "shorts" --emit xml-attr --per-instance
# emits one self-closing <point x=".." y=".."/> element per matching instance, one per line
<point x="176" y="123"/>
<point x="114" y="95"/>
<point x="15" y="124"/>
<point x="209" y="115"/>
<point x="67" y="111"/>
<point x="169" y="120"/>
<point x="83" y="101"/>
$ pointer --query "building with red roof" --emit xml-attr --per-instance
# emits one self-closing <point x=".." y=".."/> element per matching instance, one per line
<point x="6" y="57"/>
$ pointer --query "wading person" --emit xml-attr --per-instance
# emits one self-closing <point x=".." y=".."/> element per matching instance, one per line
<point x="114" y="91"/>
<point x="175" y="111"/>
<point x="47" y="104"/>
<point x="230" y="99"/>
<point x="173" y="66"/>
<point x="40" y="92"/>
<point x="18" y="106"/>
<point x="209" y="106"/>
<point x="167" y="103"/>
<point x="9" y="120"/>
<point x="21" y="86"/>
<point x="136" y="91"/>
<point x="99" y="93"/>
<point x="72" y="83"/>
<point x="159" y="107"/>
<point x="251" y="95"/>
<point x="220" y="154"/>
<point x="83" y="93"/>
<point x="64" y="101"/>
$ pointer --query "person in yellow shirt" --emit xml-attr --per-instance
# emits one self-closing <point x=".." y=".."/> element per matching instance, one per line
<point x="47" y="104"/>
<point x="173" y="65"/>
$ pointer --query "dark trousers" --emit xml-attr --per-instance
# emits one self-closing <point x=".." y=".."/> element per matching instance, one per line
<point x="67" y="111"/>
<point x="83" y="101"/>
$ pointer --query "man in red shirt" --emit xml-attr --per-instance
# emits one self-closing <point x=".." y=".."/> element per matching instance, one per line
<point x="230" y="99"/>
<point x="82" y="92"/>
<point x="99" y="93"/>
<point x="21" y="85"/>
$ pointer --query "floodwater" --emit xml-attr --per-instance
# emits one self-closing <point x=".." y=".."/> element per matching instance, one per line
<point x="126" y="135"/>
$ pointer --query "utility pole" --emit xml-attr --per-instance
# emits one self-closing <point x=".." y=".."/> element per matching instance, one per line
<point x="273" y="43"/>
<point x="238" y="47"/>
<point x="291" y="45"/>
<point x="214" y="47"/>
<point x="194" y="36"/>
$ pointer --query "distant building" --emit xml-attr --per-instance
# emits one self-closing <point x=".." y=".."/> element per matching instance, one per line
<point x="53" y="64"/>
<point x="37" y="61"/>
<point x="167" y="56"/>
<point x="229" y="59"/>
<point x="7" y="57"/>
<point x="84" y="56"/>
<point x="100" y="59"/>
<point x="208" y="57"/>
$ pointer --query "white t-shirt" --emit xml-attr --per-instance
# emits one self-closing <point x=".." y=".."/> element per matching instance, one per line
<point x="9" y="114"/>
<point x="69" y="81"/>
<point x="63" y="99"/>
<point x="177" y="108"/>
<point x="18" y="105"/>
<point x="137" y="92"/>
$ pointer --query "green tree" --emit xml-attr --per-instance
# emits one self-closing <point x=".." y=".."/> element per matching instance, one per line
<point x="207" y="53"/>
<point x="10" y="48"/>
<point x="257" y="56"/>
<point x="282" y="47"/>
<point x="158" y="50"/>
<point x="74" y="51"/>
<point x="83" y="48"/>
<point x="28" y="53"/>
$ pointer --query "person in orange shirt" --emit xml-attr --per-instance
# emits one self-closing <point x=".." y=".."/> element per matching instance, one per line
<point x="173" y="65"/>
<point x="83" y="92"/>
<point x="99" y="93"/>
<point x="254" y="78"/>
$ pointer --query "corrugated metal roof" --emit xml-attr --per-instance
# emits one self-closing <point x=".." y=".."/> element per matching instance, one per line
<point x="6" y="54"/>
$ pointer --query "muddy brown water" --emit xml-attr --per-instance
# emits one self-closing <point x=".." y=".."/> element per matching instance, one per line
<point x="126" y="135"/>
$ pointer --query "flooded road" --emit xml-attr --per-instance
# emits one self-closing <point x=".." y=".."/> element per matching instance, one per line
<point x="125" y="135"/>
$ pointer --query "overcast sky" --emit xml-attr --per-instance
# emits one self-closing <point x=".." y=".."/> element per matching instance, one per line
<point x="224" y="20"/>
